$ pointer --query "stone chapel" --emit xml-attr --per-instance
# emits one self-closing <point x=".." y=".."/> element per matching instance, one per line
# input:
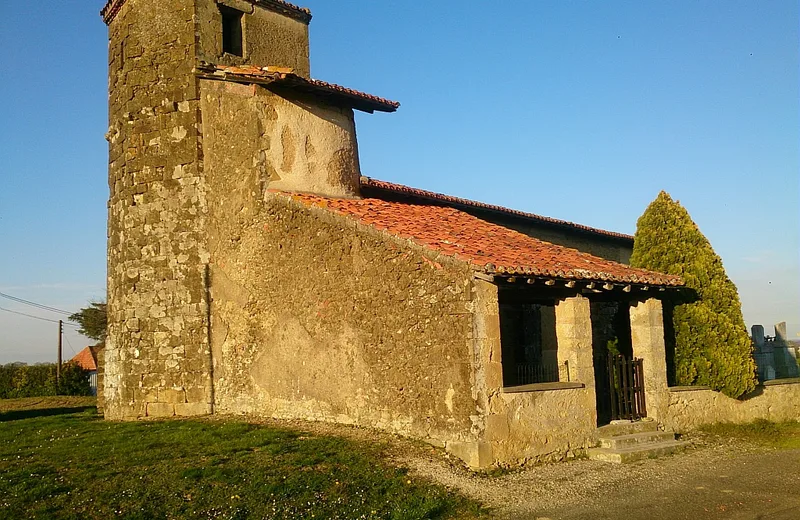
<point x="254" y="269"/>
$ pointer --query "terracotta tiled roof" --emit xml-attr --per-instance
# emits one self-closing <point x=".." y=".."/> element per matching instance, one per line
<point x="302" y="14"/>
<point x="488" y="247"/>
<point x="85" y="359"/>
<point x="448" y="199"/>
<point x="284" y="77"/>
<point x="110" y="10"/>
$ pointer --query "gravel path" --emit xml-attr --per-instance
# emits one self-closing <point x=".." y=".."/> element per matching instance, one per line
<point x="715" y="478"/>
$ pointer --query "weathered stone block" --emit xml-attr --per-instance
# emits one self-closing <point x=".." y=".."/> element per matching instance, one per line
<point x="477" y="454"/>
<point x="497" y="428"/>
<point x="192" y="409"/>
<point x="171" y="395"/>
<point x="196" y="394"/>
<point x="160" y="409"/>
<point x="494" y="375"/>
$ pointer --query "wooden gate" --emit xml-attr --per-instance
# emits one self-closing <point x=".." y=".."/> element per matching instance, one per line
<point x="626" y="382"/>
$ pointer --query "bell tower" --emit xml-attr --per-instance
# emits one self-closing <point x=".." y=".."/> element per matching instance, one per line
<point x="254" y="32"/>
<point x="158" y="359"/>
<point x="157" y="355"/>
<point x="202" y="93"/>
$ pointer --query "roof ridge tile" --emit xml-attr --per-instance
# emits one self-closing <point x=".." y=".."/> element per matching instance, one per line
<point x="416" y="192"/>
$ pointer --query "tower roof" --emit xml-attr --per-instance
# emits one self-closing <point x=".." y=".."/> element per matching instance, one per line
<point x="302" y="14"/>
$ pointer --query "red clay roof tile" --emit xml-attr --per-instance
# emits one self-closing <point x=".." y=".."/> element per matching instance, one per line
<point x="449" y="199"/>
<point x="277" y="76"/>
<point x="488" y="247"/>
<point x="110" y="10"/>
<point x="85" y="359"/>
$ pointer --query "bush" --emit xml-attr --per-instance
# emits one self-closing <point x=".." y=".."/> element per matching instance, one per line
<point x="74" y="380"/>
<point x="712" y="347"/>
<point x="18" y="380"/>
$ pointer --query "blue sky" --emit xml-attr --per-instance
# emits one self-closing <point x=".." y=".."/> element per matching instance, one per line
<point x="576" y="110"/>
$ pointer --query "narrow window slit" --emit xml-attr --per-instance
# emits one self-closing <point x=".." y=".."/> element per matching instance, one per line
<point x="231" y="31"/>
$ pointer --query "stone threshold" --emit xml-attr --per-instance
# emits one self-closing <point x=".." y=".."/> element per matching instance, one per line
<point x="542" y="387"/>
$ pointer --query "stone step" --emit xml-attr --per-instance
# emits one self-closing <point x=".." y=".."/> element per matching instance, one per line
<point x="627" y="428"/>
<point x="641" y="451"/>
<point x="634" y="439"/>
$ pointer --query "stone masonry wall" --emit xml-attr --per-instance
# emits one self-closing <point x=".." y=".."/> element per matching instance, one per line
<point x="269" y="38"/>
<point x="313" y="315"/>
<point x="317" y="317"/>
<point x="689" y="409"/>
<point x="290" y="144"/>
<point x="157" y="356"/>
<point x="531" y="426"/>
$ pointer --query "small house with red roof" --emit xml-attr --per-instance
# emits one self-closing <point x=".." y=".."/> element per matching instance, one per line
<point x="253" y="269"/>
<point x="87" y="360"/>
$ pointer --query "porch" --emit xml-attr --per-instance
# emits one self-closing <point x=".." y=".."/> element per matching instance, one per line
<point x="558" y="362"/>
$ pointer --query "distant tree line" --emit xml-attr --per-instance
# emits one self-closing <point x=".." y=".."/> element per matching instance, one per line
<point x="21" y="380"/>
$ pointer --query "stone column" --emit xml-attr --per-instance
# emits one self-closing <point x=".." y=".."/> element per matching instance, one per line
<point x="574" y="335"/>
<point x="758" y="336"/>
<point x="764" y="354"/>
<point x="475" y="447"/>
<point x="486" y="334"/>
<point x="780" y="332"/>
<point x="647" y="337"/>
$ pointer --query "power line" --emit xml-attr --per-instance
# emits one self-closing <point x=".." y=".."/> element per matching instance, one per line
<point x="34" y="304"/>
<point x="70" y="346"/>
<point x="28" y="315"/>
<point x="37" y="317"/>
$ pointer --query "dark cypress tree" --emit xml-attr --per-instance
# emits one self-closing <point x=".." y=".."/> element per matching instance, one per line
<point x="712" y="347"/>
<point x="92" y="321"/>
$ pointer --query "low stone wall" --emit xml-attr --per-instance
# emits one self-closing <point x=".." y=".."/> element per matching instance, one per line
<point x="553" y="422"/>
<point x="774" y="401"/>
<point x="540" y="425"/>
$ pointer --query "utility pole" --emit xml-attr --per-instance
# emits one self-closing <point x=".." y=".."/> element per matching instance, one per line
<point x="58" y="366"/>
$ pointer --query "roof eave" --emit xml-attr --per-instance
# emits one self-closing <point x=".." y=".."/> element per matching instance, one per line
<point x="591" y="284"/>
<point x="332" y="94"/>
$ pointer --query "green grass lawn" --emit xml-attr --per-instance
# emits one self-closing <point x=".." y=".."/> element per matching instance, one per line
<point x="783" y="435"/>
<point x="70" y="463"/>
